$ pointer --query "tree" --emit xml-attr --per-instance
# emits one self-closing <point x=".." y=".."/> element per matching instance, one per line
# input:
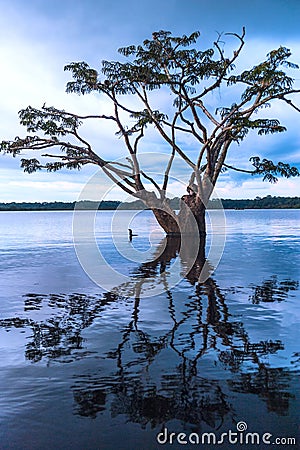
<point x="190" y="76"/>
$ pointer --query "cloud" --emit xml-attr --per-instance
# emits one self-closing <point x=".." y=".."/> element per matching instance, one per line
<point x="18" y="186"/>
<point x="252" y="188"/>
<point x="36" y="191"/>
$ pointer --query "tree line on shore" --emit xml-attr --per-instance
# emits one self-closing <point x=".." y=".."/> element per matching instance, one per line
<point x="267" y="202"/>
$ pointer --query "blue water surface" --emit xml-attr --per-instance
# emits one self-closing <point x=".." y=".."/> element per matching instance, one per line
<point x="86" y="368"/>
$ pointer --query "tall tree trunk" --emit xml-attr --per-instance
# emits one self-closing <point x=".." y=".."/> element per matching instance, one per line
<point x="191" y="216"/>
<point x="190" y="220"/>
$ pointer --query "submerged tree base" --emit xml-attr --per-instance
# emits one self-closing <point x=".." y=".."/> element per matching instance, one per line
<point x="190" y="251"/>
<point x="190" y="220"/>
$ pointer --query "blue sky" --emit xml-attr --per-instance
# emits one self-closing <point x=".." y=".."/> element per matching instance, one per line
<point x="37" y="38"/>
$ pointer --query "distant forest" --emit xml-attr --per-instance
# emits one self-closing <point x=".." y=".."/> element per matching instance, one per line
<point x="267" y="202"/>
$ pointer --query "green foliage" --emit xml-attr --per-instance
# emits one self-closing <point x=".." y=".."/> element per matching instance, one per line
<point x="86" y="79"/>
<point x="30" y="165"/>
<point x="266" y="79"/>
<point x="49" y="120"/>
<point x="241" y="125"/>
<point x="270" y="170"/>
<point x="158" y="62"/>
<point x="267" y="202"/>
<point x="144" y="118"/>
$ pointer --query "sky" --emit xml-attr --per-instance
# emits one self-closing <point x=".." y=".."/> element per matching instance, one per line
<point x="37" y="38"/>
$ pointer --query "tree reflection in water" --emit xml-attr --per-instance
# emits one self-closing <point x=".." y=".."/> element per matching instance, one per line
<point x="172" y="374"/>
<point x="272" y="290"/>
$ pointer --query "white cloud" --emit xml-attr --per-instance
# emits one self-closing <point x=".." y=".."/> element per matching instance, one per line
<point x="253" y="188"/>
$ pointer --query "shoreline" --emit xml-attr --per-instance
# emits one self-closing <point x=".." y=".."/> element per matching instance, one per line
<point x="267" y="202"/>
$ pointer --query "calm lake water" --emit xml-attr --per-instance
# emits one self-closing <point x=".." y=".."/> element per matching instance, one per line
<point x="81" y="368"/>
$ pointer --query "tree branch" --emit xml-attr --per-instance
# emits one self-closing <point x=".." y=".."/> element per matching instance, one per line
<point x="237" y="169"/>
<point x="163" y="134"/>
<point x="152" y="181"/>
<point x="139" y="184"/>
<point x="229" y="63"/>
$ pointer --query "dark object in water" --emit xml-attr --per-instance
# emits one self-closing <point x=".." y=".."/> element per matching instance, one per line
<point x="131" y="234"/>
